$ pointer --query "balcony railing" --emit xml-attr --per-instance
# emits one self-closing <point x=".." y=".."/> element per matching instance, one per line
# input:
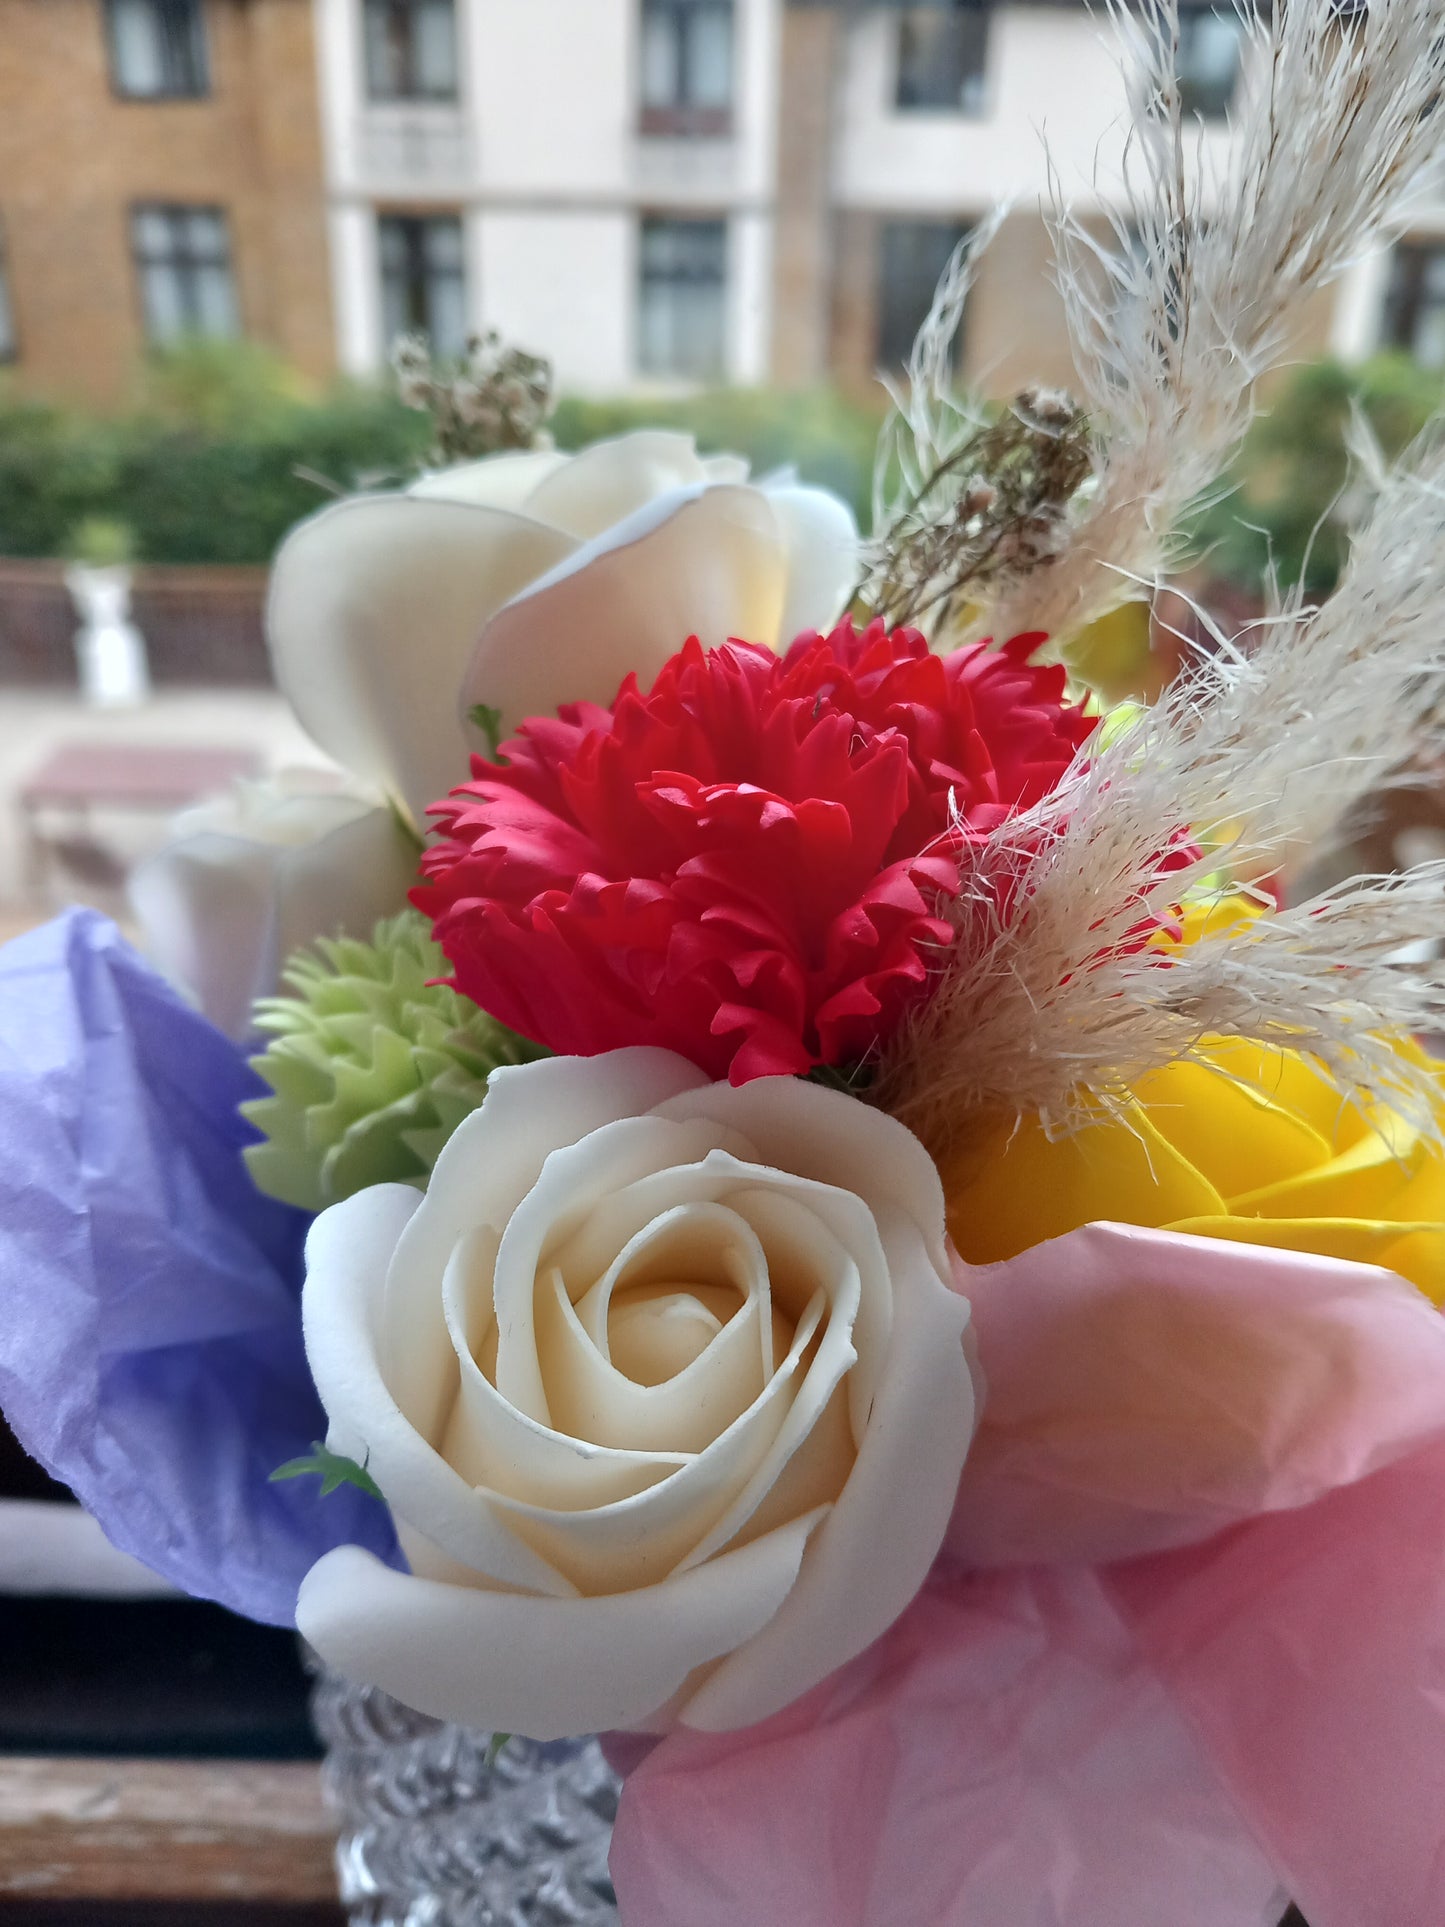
<point x="669" y="167"/>
<point x="412" y="150"/>
<point x="685" y="122"/>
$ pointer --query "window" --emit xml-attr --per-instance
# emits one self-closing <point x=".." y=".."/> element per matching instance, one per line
<point x="1211" y="49"/>
<point x="411" y="49"/>
<point x="157" y="49"/>
<point x="423" y="280"/>
<point x="681" y="298"/>
<point x="183" y="260"/>
<point x="687" y="66"/>
<point x="911" y="258"/>
<point x="7" y="313"/>
<point x="943" y="57"/>
<point x="1415" y="307"/>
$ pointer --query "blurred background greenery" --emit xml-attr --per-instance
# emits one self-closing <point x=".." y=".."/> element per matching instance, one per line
<point x="222" y="447"/>
<point x="1291" y="498"/>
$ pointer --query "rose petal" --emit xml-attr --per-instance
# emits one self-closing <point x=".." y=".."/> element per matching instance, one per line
<point x="592" y="1397"/>
<point x="644" y="1538"/>
<point x="701" y="561"/>
<point x="570" y="1183"/>
<point x="822" y="542"/>
<point x="528" y="1111"/>
<point x="610" y="480"/>
<point x="375" y="606"/>
<point x="495" y="482"/>
<point x="221" y="910"/>
<point x="1415" y="1251"/>
<point x="800" y="1127"/>
<point x="717" y="1494"/>
<point x="1016" y="1187"/>
<point x="575" y="1181"/>
<point x="726" y="468"/>
<point x="489" y="1441"/>
<point x="873" y="1550"/>
<point x="347" y="1255"/>
<point x="836" y="1356"/>
<point x="1238" y="1132"/>
<point x="491" y="1660"/>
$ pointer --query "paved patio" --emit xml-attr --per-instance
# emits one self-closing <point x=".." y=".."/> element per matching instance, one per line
<point x="34" y="724"/>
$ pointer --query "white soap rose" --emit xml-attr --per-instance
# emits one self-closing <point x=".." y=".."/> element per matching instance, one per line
<point x="665" y="1384"/>
<point x="525" y="581"/>
<point x="259" y="871"/>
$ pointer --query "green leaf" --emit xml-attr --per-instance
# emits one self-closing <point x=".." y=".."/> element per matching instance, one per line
<point x="499" y="1740"/>
<point x="333" y="1469"/>
<point x="482" y="716"/>
<point x="851" y="1079"/>
<point x="402" y="817"/>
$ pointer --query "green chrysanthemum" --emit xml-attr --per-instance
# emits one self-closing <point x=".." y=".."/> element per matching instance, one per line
<point x="371" y="1066"/>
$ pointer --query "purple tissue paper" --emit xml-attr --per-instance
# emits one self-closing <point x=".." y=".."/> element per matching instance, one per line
<point x="150" y="1324"/>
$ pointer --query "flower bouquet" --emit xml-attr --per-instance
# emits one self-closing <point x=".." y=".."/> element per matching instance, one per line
<point x="852" y="1243"/>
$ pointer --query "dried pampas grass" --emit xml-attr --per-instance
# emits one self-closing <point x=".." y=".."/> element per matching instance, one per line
<point x="1061" y="1005"/>
<point x="1173" y="325"/>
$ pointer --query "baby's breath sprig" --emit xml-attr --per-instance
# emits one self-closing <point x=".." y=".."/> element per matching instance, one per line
<point x="496" y="398"/>
<point x="995" y="504"/>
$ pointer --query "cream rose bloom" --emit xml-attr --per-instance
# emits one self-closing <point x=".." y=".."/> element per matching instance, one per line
<point x="259" y="871"/>
<point x="524" y="581"/>
<point x="519" y="582"/>
<point x="665" y="1383"/>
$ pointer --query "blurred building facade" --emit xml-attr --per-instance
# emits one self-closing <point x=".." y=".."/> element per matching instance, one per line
<point x="595" y="177"/>
<point x="160" y="173"/>
<point x="657" y="193"/>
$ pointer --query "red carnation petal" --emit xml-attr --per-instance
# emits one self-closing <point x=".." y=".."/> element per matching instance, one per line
<point x="747" y="862"/>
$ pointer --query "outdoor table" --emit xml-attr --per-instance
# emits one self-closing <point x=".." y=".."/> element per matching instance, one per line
<point x="82" y="775"/>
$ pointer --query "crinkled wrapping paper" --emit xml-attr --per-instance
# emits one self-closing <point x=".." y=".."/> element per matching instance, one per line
<point x="1000" y="1759"/>
<point x="1190" y="1738"/>
<point x="150" y="1333"/>
<point x="1308" y="1652"/>
<point x="1184" y="1735"/>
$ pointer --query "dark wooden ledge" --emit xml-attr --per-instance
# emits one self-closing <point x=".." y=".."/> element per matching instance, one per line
<point x="112" y="1840"/>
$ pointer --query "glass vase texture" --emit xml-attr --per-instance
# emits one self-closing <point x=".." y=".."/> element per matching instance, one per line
<point x="441" y="1827"/>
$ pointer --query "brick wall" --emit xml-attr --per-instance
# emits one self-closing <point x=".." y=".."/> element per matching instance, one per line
<point x="74" y="157"/>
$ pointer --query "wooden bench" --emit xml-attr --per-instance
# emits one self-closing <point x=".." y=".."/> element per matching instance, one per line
<point x="82" y="776"/>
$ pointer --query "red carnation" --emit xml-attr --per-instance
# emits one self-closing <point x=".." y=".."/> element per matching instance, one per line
<point x="744" y="864"/>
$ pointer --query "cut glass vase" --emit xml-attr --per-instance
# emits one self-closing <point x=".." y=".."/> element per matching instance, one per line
<point x="440" y="1828"/>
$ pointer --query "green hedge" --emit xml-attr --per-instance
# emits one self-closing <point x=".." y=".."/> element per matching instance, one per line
<point x="202" y="466"/>
<point x="1289" y="503"/>
<point x="221" y="449"/>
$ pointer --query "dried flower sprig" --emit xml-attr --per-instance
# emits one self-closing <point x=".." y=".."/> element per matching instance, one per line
<point x="964" y="495"/>
<point x="496" y="398"/>
<point x="995" y="504"/>
<point x="1256" y="750"/>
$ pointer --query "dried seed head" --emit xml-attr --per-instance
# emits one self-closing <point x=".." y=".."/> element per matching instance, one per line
<point x="496" y="398"/>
